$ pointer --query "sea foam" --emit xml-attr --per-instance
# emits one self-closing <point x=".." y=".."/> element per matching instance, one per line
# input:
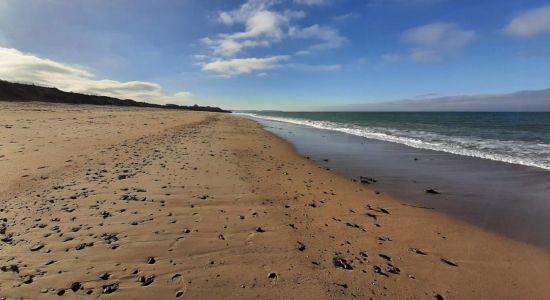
<point x="514" y="152"/>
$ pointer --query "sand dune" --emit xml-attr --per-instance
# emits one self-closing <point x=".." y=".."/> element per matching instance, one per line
<point x="137" y="203"/>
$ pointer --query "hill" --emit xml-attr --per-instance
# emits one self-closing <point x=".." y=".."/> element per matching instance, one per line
<point x="19" y="92"/>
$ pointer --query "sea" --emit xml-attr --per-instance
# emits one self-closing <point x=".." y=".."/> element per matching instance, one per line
<point x="513" y="137"/>
<point x="492" y="169"/>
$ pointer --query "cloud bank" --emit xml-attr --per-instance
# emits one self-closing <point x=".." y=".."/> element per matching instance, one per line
<point x="533" y="101"/>
<point x="22" y="67"/>
<point x="432" y="42"/>
<point x="263" y="23"/>
<point x="530" y="23"/>
<point x="243" y="65"/>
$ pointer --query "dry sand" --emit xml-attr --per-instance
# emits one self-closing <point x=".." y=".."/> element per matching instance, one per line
<point x="145" y="203"/>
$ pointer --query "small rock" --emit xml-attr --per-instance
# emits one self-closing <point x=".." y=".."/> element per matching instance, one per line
<point x="28" y="279"/>
<point x="449" y="262"/>
<point x="432" y="191"/>
<point x="111" y="288"/>
<point x="342" y="263"/>
<point x="145" y="281"/>
<point x="384" y="256"/>
<point x="75" y="286"/>
<point x="37" y="247"/>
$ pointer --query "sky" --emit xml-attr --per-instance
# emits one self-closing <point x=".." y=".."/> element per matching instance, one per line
<point x="279" y="54"/>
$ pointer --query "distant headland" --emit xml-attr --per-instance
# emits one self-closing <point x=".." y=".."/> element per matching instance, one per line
<point x="19" y="92"/>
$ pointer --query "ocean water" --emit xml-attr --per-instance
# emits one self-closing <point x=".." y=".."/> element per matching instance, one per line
<point x="521" y="138"/>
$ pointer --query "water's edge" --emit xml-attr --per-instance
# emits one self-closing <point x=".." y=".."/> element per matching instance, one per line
<point x="508" y="199"/>
<point x="513" y="152"/>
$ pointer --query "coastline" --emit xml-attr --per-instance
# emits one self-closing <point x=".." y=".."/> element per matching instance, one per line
<point x="227" y="205"/>
<point x="505" y="198"/>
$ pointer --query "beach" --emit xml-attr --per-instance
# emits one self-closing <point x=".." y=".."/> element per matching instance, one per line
<point x="136" y="203"/>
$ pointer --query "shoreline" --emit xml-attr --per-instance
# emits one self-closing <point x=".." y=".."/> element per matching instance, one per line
<point x="504" y="198"/>
<point x="227" y="210"/>
<point x="448" y="144"/>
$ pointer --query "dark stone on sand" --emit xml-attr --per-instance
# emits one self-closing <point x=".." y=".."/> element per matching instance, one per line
<point x="84" y="245"/>
<point x="151" y="260"/>
<point x="449" y="262"/>
<point x="301" y="246"/>
<point x="381" y="209"/>
<point x="109" y="237"/>
<point x="272" y="275"/>
<point x="60" y="292"/>
<point x="145" y="281"/>
<point x="259" y="229"/>
<point x="432" y="191"/>
<point x="37" y="247"/>
<point x="111" y="288"/>
<point x="393" y="269"/>
<point x="75" y="286"/>
<point x="342" y="285"/>
<point x="378" y="270"/>
<point x="104" y="276"/>
<point x="367" y="180"/>
<point x="28" y="279"/>
<point x="418" y="251"/>
<point x="342" y="263"/>
<point x="439" y="297"/>
<point x="10" y="268"/>
<point x="384" y="256"/>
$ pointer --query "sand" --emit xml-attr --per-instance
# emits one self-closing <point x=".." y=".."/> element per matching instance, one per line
<point x="128" y="203"/>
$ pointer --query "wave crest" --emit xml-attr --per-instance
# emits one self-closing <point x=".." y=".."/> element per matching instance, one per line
<point x="513" y="152"/>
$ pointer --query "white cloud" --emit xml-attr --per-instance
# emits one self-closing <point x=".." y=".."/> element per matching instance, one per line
<point x="314" y="68"/>
<point x="228" y="47"/>
<point x="329" y="36"/>
<point x="263" y="23"/>
<point x="439" y="35"/>
<point x="237" y="66"/>
<point x="243" y="65"/>
<point x="27" y="68"/>
<point x="225" y="18"/>
<point x="530" y="23"/>
<point x="262" y="27"/>
<point x="432" y="42"/>
<point x="312" y="2"/>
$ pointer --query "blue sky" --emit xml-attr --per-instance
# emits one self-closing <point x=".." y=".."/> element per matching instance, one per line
<point x="277" y="54"/>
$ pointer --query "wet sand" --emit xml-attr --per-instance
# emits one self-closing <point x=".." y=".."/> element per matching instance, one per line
<point x="512" y="200"/>
<point x="129" y="203"/>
